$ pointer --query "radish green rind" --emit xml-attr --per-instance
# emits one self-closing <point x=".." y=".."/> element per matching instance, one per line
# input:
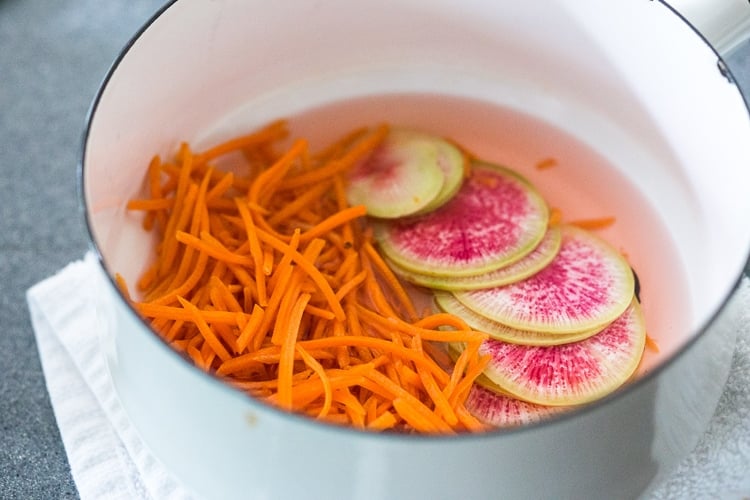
<point x="587" y="285"/>
<point x="451" y="162"/>
<point x="495" y="219"/>
<point x="449" y="304"/>
<point x="530" y="264"/>
<point x="570" y="374"/>
<point x="401" y="177"/>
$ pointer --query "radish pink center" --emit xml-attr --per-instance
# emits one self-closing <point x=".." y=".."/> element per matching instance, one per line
<point x="380" y="169"/>
<point x="583" y="283"/>
<point x="574" y="285"/>
<point x="503" y="411"/>
<point x="571" y="372"/>
<point x="563" y="368"/>
<point x="484" y="220"/>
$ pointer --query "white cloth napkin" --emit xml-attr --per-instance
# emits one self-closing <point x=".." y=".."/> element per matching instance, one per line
<point x="109" y="460"/>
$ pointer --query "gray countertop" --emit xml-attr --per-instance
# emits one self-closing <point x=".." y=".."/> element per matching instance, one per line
<point x="53" y="56"/>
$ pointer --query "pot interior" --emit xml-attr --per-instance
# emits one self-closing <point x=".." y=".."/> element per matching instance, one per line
<point x="626" y="99"/>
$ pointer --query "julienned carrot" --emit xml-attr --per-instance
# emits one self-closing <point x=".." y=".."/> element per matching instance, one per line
<point x="271" y="133"/>
<point x="315" y="366"/>
<point x="150" y="310"/>
<point x="302" y="201"/>
<point x="390" y="279"/>
<point x="651" y="343"/>
<point x="249" y="329"/>
<point x="255" y="251"/>
<point x="555" y="216"/>
<point x="122" y="285"/>
<point x="546" y="163"/>
<point x="286" y="362"/>
<point x="269" y="280"/>
<point x="208" y="334"/>
<point x="599" y="223"/>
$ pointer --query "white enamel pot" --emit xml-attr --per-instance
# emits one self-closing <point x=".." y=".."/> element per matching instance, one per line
<point x="630" y="79"/>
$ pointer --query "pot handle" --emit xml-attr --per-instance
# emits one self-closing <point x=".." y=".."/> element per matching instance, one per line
<point x="724" y="23"/>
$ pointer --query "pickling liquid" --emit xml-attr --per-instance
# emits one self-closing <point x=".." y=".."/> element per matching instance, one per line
<point x="578" y="181"/>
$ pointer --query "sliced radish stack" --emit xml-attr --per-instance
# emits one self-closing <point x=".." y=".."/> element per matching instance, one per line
<point x="559" y="303"/>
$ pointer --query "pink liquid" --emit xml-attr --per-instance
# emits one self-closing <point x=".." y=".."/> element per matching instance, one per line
<point x="582" y="185"/>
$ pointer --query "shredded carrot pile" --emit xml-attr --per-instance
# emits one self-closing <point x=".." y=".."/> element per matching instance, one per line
<point x="271" y="281"/>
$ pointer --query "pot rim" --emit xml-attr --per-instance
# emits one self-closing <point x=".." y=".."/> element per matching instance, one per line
<point x="498" y="433"/>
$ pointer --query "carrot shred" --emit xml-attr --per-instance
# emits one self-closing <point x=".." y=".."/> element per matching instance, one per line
<point x="250" y="329"/>
<point x="270" y="280"/>
<point x="546" y="163"/>
<point x="593" y="224"/>
<point x="651" y="343"/>
<point x="315" y="366"/>
<point x="273" y="131"/>
<point x="221" y="187"/>
<point x="255" y="251"/>
<point x="208" y="334"/>
<point x="384" y="421"/>
<point x="416" y="416"/>
<point x="555" y="217"/>
<point x="391" y="280"/>
<point x="442" y="405"/>
<point x="286" y="361"/>
<point x="302" y="201"/>
<point x="151" y="310"/>
<point x="123" y="286"/>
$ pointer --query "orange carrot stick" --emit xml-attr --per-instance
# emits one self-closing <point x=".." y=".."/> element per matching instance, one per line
<point x="324" y="380"/>
<point x="286" y="361"/>
<point x="206" y="332"/>
<point x="593" y="224"/>
<point x="273" y="131"/>
<point x="255" y="251"/>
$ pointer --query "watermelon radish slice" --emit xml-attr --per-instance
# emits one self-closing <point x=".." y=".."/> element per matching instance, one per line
<point x="495" y="219"/>
<point x="587" y="285"/>
<point x="448" y="303"/>
<point x="405" y="174"/>
<point x="451" y="162"/>
<point x="574" y="373"/>
<point x="530" y="264"/>
<point x="500" y="410"/>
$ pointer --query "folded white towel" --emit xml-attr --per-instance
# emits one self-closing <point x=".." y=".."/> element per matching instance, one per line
<point x="108" y="459"/>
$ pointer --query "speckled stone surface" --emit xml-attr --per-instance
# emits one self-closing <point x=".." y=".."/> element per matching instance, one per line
<point x="53" y="56"/>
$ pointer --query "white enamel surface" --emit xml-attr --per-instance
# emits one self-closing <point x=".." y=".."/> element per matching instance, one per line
<point x="629" y="79"/>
